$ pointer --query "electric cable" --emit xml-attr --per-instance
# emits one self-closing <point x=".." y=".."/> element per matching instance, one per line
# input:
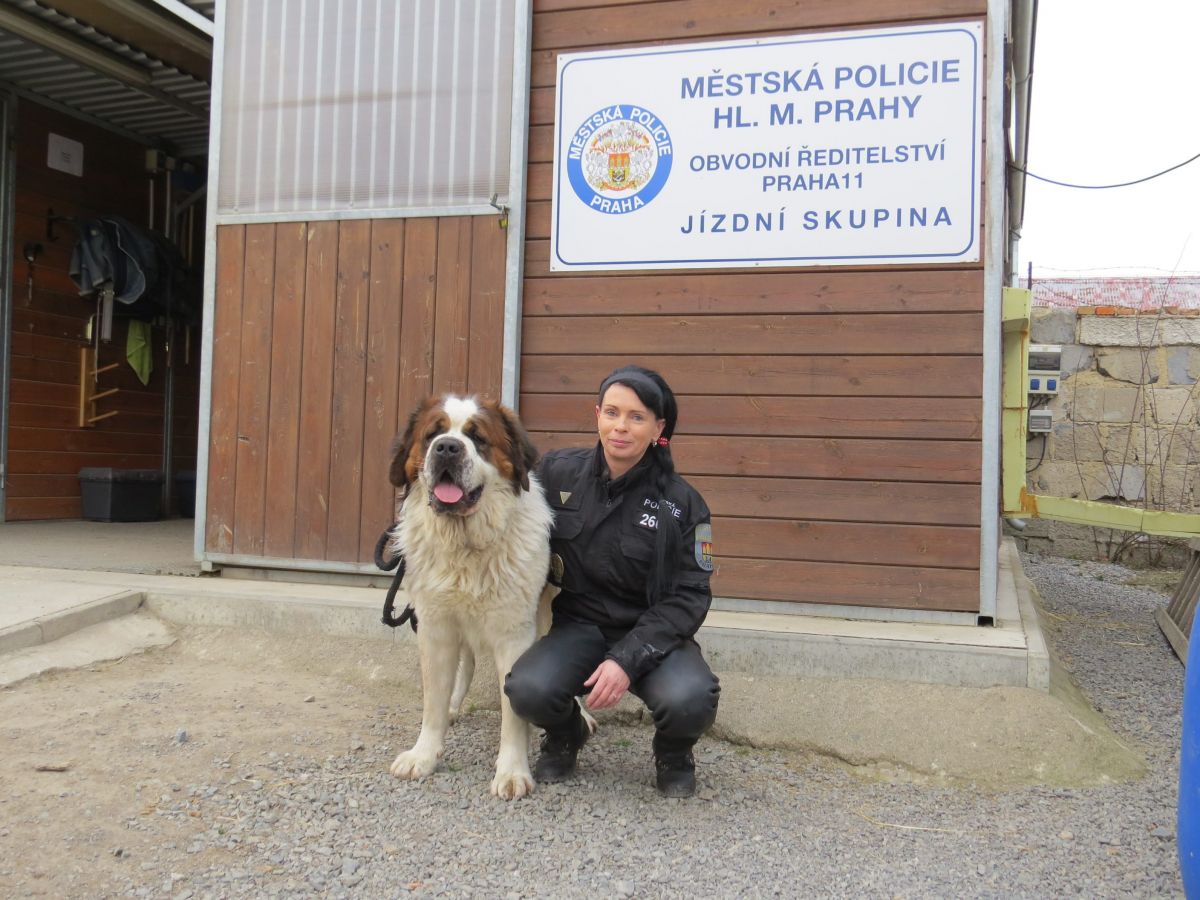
<point x="1103" y="187"/>
<point x="1042" y="458"/>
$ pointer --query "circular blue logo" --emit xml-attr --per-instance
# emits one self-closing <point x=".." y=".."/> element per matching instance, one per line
<point x="619" y="158"/>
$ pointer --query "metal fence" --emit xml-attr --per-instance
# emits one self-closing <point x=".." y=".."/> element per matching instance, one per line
<point x="1143" y="294"/>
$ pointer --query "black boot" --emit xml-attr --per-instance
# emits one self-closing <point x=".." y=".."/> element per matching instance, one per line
<point x="675" y="767"/>
<point x="560" y="747"/>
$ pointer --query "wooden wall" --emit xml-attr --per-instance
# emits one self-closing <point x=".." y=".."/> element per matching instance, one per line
<point x="46" y="447"/>
<point x="830" y="417"/>
<point x="327" y="335"/>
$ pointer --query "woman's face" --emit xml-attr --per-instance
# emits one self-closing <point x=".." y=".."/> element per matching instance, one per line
<point x="627" y="428"/>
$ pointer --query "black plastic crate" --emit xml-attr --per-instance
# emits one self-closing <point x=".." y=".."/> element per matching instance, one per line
<point x="185" y="493"/>
<point x="121" y="495"/>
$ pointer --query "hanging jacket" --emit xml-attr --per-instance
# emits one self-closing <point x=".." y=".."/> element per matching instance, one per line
<point x="147" y="273"/>
<point x="111" y="251"/>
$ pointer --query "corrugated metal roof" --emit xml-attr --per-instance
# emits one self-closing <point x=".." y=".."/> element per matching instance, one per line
<point x="171" y="112"/>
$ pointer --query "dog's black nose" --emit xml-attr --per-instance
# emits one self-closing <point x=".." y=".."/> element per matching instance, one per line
<point x="447" y="448"/>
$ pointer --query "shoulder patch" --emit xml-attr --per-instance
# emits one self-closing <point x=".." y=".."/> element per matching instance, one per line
<point x="704" y="557"/>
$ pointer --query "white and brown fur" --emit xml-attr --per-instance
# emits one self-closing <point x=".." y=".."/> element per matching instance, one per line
<point x="476" y="567"/>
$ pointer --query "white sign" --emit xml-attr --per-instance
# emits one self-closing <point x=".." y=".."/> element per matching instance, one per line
<point x="65" y="155"/>
<point x="847" y="148"/>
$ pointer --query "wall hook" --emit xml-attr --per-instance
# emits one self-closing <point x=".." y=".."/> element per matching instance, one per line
<point x="503" y="211"/>
<point x="51" y="218"/>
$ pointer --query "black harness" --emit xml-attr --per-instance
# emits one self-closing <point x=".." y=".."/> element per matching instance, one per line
<point x="390" y="618"/>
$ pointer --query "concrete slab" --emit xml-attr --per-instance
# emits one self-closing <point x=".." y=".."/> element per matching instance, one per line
<point x="751" y="642"/>
<point x="35" y="611"/>
<point x="157" y="548"/>
<point x="25" y="599"/>
<point x="1010" y="652"/>
<point x="107" y="640"/>
<point x="849" y="689"/>
<point x="290" y="607"/>
<point x="1016" y="587"/>
<point x="996" y="737"/>
<point x="58" y="563"/>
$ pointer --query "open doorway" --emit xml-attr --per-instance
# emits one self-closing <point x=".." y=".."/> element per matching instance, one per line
<point x="106" y="107"/>
<point x="6" y="213"/>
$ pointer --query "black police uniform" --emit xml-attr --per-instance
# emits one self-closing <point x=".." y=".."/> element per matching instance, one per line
<point x="604" y="532"/>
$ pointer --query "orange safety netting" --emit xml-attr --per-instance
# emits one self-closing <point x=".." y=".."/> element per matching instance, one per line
<point x="1141" y="294"/>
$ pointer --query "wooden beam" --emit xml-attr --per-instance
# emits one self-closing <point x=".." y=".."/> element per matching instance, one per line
<point x="147" y="29"/>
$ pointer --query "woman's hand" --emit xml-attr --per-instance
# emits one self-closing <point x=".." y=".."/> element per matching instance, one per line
<point x="608" y="683"/>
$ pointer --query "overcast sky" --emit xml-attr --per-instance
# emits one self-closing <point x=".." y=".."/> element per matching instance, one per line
<point x="1116" y="96"/>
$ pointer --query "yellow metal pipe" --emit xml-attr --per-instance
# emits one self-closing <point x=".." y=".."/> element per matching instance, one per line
<point x="1015" y="415"/>
<point x="1109" y="515"/>
<point x="1017" y="500"/>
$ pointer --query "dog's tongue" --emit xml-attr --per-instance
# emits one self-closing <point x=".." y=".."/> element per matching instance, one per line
<point x="447" y="492"/>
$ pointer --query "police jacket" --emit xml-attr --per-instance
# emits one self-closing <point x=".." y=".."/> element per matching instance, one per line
<point x="604" y="531"/>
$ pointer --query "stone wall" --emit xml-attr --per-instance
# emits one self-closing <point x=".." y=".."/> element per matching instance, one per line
<point x="1125" y="424"/>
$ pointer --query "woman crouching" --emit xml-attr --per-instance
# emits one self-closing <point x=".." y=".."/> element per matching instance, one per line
<point x="635" y="543"/>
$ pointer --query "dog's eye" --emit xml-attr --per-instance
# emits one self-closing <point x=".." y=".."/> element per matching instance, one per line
<point x="477" y="439"/>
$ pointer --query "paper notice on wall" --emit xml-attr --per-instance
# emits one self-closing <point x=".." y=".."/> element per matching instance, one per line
<point x="65" y="155"/>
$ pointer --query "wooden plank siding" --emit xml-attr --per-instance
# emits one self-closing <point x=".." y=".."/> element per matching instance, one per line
<point x="830" y="416"/>
<point x="287" y="330"/>
<point x="47" y="448"/>
<point x="349" y="385"/>
<point x="226" y="369"/>
<point x="380" y="410"/>
<point x="258" y="277"/>
<point x="316" y="392"/>
<point x="327" y="335"/>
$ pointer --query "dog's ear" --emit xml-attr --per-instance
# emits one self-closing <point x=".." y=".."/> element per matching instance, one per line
<point x="402" y="447"/>
<point x="524" y="454"/>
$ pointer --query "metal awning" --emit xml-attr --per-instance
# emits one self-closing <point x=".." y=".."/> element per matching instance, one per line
<point x="140" y="68"/>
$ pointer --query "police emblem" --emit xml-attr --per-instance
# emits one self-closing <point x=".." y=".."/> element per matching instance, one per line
<point x="704" y="558"/>
<point x="619" y="159"/>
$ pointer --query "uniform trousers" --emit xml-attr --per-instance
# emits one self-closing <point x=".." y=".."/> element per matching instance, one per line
<point x="681" y="692"/>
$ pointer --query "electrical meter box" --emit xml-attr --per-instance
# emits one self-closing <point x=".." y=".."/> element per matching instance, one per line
<point x="1045" y="368"/>
<point x="1040" y="421"/>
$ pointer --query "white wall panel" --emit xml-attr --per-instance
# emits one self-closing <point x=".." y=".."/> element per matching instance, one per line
<point x="350" y="105"/>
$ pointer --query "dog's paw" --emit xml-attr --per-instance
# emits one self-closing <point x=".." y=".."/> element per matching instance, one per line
<point x="455" y="714"/>
<point x="512" y="785"/>
<point x="412" y="764"/>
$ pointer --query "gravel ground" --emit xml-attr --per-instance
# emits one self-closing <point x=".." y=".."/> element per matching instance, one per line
<point x="276" y="797"/>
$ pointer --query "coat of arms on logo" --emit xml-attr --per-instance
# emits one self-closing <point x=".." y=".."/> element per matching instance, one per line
<point x="704" y="546"/>
<point x="618" y="169"/>
<point x="619" y="159"/>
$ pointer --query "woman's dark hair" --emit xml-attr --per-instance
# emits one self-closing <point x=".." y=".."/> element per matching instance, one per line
<point x="656" y="395"/>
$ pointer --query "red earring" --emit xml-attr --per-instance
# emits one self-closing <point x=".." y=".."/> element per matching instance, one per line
<point x="662" y="442"/>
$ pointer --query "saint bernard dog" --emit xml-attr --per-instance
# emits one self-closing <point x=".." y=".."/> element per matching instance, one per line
<point x="474" y="530"/>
